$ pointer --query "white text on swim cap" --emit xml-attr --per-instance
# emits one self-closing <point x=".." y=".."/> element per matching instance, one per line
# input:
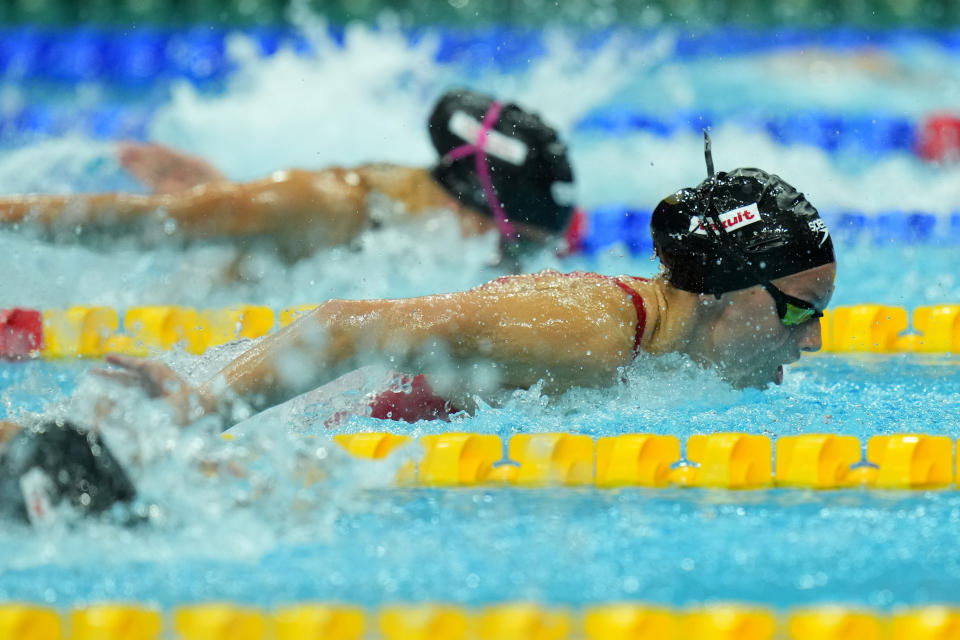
<point x="819" y="226"/>
<point x="731" y="220"/>
<point x="499" y="145"/>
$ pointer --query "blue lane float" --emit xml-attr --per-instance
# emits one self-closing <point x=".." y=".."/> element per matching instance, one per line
<point x="147" y="57"/>
<point x="104" y="122"/>
<point x="835" y="134"/>
<point x="831" y="132"/>
<point x="85" y="53"/>
<point x="627" y="227"/>
<point x="136" y="56"/>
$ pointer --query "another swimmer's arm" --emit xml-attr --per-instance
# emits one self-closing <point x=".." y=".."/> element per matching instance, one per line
<point x="331" y="203"/>
<point x="67" y="211"/>
<point x="324" y="207"/>
<point x="576" y="333"/>
<point x="414" y="188"/>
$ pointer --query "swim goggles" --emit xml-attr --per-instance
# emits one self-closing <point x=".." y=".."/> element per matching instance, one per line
<point x="792" y="311"/>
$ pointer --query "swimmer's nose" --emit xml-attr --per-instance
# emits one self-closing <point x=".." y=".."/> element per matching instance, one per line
<point x="810" y="338"/>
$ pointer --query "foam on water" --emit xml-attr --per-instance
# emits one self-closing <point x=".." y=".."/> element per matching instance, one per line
<point x="390" y="262"/>
<point x="642" y="168"/>
<point x="369" y="101"/>
<point x="255" y="533"/>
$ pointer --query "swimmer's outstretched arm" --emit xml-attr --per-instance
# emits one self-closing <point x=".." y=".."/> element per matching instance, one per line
<point x="324" y="207"/>
<point x="564" y="330"/>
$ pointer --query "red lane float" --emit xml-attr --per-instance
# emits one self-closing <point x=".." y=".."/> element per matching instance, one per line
<point x="939" y="138"/>
<point x="21" y="332"/>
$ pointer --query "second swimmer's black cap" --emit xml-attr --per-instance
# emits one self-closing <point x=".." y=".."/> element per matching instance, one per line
<point x="60" y="463"/>
<point x="772" y="231"/>
<point x="528" y="166"/>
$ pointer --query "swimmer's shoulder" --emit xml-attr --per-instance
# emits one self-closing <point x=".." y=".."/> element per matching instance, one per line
<point x="414" y="187"/>
<point x="551" y="279"/>
<point x="645" y="299"/>
<point x="390" y="178"/>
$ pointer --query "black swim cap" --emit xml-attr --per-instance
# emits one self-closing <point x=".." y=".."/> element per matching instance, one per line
<point x="772" y="232"/>
<point x="529" y="170"/>
<point x="43" y="467"/>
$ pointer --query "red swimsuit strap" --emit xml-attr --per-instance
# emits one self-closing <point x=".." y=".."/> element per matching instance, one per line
<point x="637" y="304"/>
<point x="641" y="313"/>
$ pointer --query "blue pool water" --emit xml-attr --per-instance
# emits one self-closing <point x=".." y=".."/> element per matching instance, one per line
<point x="267" y="539"/>
<point x="357" y="539"/>
<point x="562" y="547"/>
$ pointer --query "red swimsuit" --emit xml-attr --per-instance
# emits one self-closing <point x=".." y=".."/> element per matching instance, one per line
<point x="421" y="403"/>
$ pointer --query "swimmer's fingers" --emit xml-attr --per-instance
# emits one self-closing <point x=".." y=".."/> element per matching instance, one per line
<point x="126" y="378"/>
<point x="127" y="362"/>
<point x="155" y="378"/>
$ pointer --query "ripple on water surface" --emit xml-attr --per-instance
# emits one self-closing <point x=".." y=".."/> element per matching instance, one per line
<point x="263" y="540"/>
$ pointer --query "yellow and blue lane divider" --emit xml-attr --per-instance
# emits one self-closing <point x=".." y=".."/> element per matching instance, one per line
<point x="92" y="331"/>
<point x="505" y="621"/>
<point x="736" y="461"/>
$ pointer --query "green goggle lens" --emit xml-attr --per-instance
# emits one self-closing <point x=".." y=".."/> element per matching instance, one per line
<point x="798" y="315"/>
<point x="793" y="312"/>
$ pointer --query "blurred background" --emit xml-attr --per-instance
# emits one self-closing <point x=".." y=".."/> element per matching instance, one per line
<point x="855" y="103"/>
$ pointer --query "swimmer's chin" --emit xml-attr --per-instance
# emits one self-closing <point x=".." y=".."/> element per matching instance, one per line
<point x="758" y="379"/>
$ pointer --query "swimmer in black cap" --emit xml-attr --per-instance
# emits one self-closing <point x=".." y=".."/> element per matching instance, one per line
<point x="746" y="238"/>
<point x="747" y="269"/>
<point x="55" y="464"/>
<point x="500" y="168"/>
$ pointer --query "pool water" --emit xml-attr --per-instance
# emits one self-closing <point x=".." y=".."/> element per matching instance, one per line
<point x="266" y="538"/>
<point x="357" y="538"/>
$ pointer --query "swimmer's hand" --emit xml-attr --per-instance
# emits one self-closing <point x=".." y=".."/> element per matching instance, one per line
<point x="166" y="170"/>
<point x="157" y="380"/>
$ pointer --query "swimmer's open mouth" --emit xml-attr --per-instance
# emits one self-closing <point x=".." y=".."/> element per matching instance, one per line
<point x="778" y="376"/>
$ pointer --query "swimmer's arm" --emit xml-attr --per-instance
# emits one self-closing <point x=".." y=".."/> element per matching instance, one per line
<point x="53" y="211"/>
<point x="328" y="206"/>
<point x="577" y="332"/>
<point x="414" y="188"/>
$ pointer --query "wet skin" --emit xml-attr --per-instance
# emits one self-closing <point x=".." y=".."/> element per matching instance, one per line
<point x="567" y="330"/>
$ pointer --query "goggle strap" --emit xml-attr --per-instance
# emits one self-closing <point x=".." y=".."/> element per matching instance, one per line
<point x="708" y="154"/>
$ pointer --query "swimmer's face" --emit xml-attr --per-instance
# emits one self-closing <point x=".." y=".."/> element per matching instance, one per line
<point x="750" y="343"/>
